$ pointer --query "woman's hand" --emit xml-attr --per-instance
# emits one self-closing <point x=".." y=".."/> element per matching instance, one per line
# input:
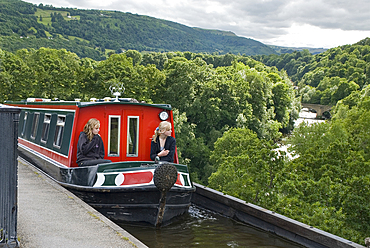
<point x="163" y="153"/>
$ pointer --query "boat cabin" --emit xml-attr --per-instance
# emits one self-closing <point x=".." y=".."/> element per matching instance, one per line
<point x="52" y="128"/>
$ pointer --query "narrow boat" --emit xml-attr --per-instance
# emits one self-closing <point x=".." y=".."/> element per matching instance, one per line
<point x="132" y="187"/>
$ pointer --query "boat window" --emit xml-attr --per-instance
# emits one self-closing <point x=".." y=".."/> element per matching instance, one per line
<point x="24" y="123"/>
<point x="59" y="131"/>
<point x="45" y="128"/>
<point x="35" y="124"/>
<point x="132" y="136"/>
<point x="114" y="135"/>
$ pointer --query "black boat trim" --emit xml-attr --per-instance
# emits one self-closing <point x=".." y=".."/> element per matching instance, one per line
<point x="115" y="206"/>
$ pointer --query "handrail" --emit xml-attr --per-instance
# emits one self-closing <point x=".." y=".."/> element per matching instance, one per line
<point x="9" y="117"/>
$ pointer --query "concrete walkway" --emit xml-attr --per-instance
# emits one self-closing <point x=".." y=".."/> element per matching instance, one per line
<point x="50" y="216"/>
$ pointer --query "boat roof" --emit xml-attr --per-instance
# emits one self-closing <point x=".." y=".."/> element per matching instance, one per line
<point x="93" y="102"/>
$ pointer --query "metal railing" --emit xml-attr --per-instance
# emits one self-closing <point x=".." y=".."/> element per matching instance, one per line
<point x="9" y="118"/>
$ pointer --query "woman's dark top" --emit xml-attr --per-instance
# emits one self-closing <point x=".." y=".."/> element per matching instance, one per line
<point x="170" y="145"/>
<point x="89" y="150"/>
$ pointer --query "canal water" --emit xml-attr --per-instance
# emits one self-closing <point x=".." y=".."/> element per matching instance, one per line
<point x="206" y="229"/>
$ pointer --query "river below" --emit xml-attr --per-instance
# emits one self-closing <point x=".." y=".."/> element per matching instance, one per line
<point x="308" y="117"/>
<point x="206" y="229"/>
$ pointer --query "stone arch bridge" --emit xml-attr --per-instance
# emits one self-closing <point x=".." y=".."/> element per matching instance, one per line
<point x="320" y="109"/>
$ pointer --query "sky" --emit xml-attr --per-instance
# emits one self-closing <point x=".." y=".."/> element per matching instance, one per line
<point x="289" y="23"/>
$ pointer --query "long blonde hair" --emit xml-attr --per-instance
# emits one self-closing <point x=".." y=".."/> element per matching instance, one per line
<point x="163" y="126"/>
<point x="89" y="127"/>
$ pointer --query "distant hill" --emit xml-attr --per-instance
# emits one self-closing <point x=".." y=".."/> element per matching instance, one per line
<point x="94" y="33"/>
<point x="282" y="50"/>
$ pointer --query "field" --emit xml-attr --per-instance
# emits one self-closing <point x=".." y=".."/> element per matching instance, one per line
<point x="46" y="16"/>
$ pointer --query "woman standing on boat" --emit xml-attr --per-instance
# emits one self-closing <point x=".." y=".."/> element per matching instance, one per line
<point x="90" y="147"/>
<point x="163" y="144"/>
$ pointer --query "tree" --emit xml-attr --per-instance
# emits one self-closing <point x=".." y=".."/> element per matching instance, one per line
<point x="192" y="150"/>
<point x="55" y="73"/>
<point x="330" y="176"/>
<point x="86" y="79"/>
<point x="246" y="166"/>
<point x="343" y="90"/>
<point x="117" y="68"/>
<point x="282" y="98"/>
<point x="135" y="55"/>
<point x="184" y="81"/>
<point x="15" y="77"/>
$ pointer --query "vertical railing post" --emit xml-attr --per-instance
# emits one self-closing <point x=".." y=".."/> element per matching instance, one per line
<point x="9" y="118"/>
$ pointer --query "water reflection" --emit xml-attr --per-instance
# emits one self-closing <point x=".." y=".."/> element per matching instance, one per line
<point x="202" y="228"/>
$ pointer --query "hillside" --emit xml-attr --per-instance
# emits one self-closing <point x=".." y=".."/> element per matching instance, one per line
<point x="282" y="50"/>
<point x="93" y="33"/>
<point x="328" y="77"/>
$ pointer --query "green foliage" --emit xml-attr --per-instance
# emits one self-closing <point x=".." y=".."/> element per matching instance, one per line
<point x="84" y="31"/>
<point x="54" y="73"/>
<point x="333" y="74"/>
<point x="192" y="150"/>
<point x="247" y="166"/>
<point x="15" y="77"/>
<point x="224" y="93"/>
<point x="327" y="185"/>
<point x="13" y="43"/>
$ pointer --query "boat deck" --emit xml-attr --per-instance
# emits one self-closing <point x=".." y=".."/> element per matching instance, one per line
<point x="50" y="216"/>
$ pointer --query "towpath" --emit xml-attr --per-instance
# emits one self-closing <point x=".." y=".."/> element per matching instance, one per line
<point x="50" y="216"/>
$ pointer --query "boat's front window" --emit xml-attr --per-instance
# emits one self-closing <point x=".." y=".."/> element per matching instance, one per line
<point x="45" y="128"/>
<point x="114" y="135"/>
<point x="35" y="124"/>
<point x="132" y="136"/>
<point x="59" y="130"/>
<point x="24" y="123"/>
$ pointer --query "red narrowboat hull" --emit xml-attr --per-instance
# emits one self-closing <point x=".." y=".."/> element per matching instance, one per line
<point x="123" y="190"/>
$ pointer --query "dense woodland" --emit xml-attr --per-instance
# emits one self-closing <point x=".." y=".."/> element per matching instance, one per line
<point x="94" y="33"/>
<point x="328" y="77"/>
<point x="231" y="113"/>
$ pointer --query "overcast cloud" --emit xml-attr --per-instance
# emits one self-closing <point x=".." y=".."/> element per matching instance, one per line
<point x="293" y="23"/>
